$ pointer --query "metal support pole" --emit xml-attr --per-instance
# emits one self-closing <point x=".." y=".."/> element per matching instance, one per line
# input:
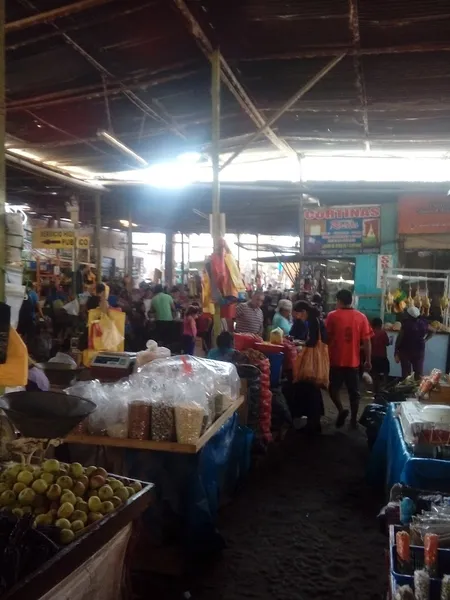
<point x="239" y="250"/>
<point x="215" y="157"/>
<point x="301" y="221"/>
<point x="97" y="233"/>
<point x="2" y="150"/>
<point x="182" y="259"/>
<point x="257" y="261"/>
<point x="130" y="244"/>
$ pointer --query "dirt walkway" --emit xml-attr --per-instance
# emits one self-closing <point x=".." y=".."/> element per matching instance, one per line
<point x="304" y="530"/>
<point x="302" y="527"/>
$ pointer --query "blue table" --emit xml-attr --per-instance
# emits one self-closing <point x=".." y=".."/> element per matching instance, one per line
<point x="391" y="461"/>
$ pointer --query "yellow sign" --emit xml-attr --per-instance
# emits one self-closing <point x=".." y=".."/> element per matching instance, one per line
<point x="53" y="238"/>
<point x="83" y="242"/>
<point x="58" y="238"/>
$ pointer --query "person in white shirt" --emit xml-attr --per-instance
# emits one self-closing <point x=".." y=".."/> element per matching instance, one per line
<point x="63" y="357"/>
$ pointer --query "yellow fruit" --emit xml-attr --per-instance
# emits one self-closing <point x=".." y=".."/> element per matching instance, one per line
<point x="4" y="487"/>
<point x="54" y="492"/>
<point x="96" y="482"/>
<point x="79" y="515"/>
<point x="94" y="516"/>
<point x="90" y="470"/>
<point x="18" y="512"/>
<point x="25" y="477"/>
<point x="62" y="524"/>
<point x="95" y="504"/>
<point x="116" y="501"/>
<point x="137" y="487"/>
<point x="130" y="490"/>
<point x="65" y="482"/>
<point x="43" y="520"/>
<point x="84" y="479"/>
<point x="101" y="472"/>
<point x="76" y="470"/>
<point x="48" y="478"/>
<point x="7" y="498"/>
<point x="26" y="497"/>
<point x="18" y="487"/>
<point x="51" y="466"/>
<point x="68" y="496"/>
<point x="65" y="510"/>
<point x="77" y="525"/>
<point x="40" y="486"/>
<point x="105" y="492"/>
<point x="78" y="489"/>
<point x="107" y="507"/>
<point x="115" y="484"/>
<point x="37" y="474"/>
<point x="12" y="472"/>
<point x="66" y="536"/>
<point x="122" y="493"/>
<point x="82" y="505"/>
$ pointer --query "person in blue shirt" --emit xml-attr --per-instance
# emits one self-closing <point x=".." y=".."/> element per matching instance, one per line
<point x="282" y="317"/>
<point x="225" y="348"/>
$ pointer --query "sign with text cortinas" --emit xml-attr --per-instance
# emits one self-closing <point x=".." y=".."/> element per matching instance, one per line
<point x="423" y="214"/>
<point x="342" y="230"/>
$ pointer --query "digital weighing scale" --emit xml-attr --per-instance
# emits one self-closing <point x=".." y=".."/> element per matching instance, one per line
<point x="112" y="366"/>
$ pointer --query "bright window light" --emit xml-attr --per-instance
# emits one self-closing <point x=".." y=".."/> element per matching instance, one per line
<point x="189" y="158"/>
<point x="126" y="223"/>
<point x="25" y="154"/>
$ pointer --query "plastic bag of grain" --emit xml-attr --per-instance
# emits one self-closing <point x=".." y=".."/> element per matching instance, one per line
<point x="190" y="414"/>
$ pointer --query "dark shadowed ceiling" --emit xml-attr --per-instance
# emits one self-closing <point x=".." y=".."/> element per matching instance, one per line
<point x="134" y="67"/>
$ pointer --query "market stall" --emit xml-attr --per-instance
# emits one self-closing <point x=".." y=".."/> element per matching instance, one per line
<point x="175" y="422"/>
<point x="429" y="292"/>
<point x="61" y="524"/>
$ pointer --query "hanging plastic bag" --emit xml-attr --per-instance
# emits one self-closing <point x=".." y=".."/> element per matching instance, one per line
<point x="72" y="308"/>
<point x="313" y="364"/>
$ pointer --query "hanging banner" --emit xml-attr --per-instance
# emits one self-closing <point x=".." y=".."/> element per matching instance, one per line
<point x="423" y="214"/>
<point x="342" y="230"/>
<point x="385" y="263"/>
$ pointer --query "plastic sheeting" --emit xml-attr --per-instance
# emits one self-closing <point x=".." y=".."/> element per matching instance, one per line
<point x="190" y="488"/>
<point x="392" y="462"/>
<point x="100" y="577"/>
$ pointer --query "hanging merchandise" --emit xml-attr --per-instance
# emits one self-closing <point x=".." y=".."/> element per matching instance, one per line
<point x="426" y="304"/>
<point x="388" y="300"/>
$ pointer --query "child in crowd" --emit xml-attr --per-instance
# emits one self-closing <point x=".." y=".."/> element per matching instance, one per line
<point x="380" y="361"/>
<point x="190" y="330"/>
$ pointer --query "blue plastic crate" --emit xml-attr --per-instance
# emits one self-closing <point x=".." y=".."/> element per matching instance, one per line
<point x="417" y="563"/>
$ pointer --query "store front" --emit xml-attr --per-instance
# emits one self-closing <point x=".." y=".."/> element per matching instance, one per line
<point x="340" y="236"/>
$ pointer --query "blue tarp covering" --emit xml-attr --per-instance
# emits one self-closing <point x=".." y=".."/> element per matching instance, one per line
<point x="189" y="487"/>
<point x="392" y="462"/>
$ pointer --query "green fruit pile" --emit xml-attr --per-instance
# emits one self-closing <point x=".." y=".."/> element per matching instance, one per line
<point x="69" y="497"/>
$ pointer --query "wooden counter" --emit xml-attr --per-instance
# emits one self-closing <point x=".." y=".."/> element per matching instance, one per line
<point x="102" y="440"/>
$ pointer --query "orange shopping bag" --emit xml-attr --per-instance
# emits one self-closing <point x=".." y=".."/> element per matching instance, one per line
<point x="313" y="364"/>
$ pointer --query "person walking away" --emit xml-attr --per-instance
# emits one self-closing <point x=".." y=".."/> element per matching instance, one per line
<point x="347" y="329"/>
<point x="190" y="330"/>
<point x="225" y="348"/>
<point x="305" y="397"/>
<point x="249" y="316"/>
<point x="380" y="361"/>
<point x="283" y="317"/>
<point x="410" y="344"/>
<point x="162" y="304"/>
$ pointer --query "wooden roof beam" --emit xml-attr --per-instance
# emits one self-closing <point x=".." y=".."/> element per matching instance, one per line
<point x="230" y="79"/>
<point x="52" y="15"/>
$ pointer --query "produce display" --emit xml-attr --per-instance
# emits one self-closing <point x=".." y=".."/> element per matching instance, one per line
<point x="168" y="400"/>
<point x="61" y="500"/>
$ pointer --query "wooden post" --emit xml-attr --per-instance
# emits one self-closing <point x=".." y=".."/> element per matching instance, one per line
<point x="97" y="233"/>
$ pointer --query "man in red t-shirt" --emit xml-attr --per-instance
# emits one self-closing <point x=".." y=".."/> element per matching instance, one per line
<point x="347" y="328"/>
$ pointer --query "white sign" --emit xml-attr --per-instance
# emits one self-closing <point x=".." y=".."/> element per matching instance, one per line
<point x="385" y="263"/>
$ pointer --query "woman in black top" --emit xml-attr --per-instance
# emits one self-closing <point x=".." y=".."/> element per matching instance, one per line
<point x="305" y="398"/>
